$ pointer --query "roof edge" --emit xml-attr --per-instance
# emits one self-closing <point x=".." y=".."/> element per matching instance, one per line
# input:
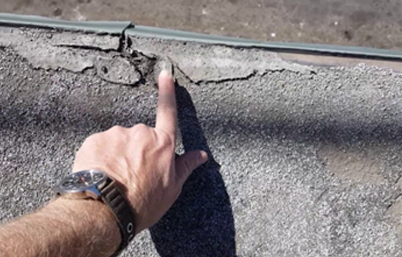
<point x="101" y="27"/>
<point x="333" y="50"/>
<point x="128" y="28"/>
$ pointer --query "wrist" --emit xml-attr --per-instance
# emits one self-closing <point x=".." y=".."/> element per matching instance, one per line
<point x="67" y="227"/>
<point x="131" y="195"/>
<point x="94" y="185"/>
<point x="89" y="218"/>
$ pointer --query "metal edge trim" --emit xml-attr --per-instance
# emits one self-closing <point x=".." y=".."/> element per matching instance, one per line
<point x="128" y="28"/>
<point x="362" y="52"/>
<point x="109" y="27"/>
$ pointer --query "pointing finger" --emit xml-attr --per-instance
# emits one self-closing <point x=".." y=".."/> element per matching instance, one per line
<point x="166" y="117"/>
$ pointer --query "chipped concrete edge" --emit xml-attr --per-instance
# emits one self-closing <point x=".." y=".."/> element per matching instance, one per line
<point x="129" y="29"/>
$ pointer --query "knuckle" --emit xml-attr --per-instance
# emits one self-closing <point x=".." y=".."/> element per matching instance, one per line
<point x="140" y="126"/>
<point x="139" y="129"/>
<point x="91" y="139"/>
<point x="140" y="133"/>
<point x="116" y="128"/>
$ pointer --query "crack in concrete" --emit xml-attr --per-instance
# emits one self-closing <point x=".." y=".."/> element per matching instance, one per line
<point x="117" y="69"/>
<point x="218" y="81"/>
<point x="321" y="195"/>
<point x="206" y="63"/>
<point x="396" y="200"/>
<point x="115" y="62"/>
<point x="176" y="67"/>
<point x="398" y="181"/>
<point x="83" y="47"/>
<point x="75" y="52"/>
<point x="125" y="61"/>
<point x="75" y="39"/>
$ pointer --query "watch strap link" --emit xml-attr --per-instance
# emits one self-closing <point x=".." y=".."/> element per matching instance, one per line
<point x="122" y="210"/>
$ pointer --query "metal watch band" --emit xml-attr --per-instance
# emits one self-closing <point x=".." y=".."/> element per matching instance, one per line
<point x="122" y="210"/>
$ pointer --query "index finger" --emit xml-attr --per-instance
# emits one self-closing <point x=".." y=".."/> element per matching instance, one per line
<point x="166" y="116"/>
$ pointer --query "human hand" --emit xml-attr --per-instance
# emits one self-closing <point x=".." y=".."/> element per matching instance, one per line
<point x="142" y="159"/>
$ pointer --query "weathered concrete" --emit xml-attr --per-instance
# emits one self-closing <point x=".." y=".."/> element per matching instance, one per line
<point x="71" y="51"/>
<point x="305" y="162"/>
<point x="201" y="63"/>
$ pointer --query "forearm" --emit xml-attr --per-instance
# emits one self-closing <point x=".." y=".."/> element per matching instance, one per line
<point x="141" y="159"/>
<point x="79" y="228"/>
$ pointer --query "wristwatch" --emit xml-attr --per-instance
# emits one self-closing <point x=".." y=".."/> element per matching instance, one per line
<point x="95" y="184"/>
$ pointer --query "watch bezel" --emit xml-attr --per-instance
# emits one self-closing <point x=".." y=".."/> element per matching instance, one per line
<point x="84" y="191"/>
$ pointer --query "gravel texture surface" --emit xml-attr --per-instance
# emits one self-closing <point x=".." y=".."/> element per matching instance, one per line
<point x="304" y="162"/>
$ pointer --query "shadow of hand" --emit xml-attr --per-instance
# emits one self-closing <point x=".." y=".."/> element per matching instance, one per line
<point x="200" y="223"/>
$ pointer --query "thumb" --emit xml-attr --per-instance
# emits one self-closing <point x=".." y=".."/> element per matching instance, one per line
<point x="186" y="163"/>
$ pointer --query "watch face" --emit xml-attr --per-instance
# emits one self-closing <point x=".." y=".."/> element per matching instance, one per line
<point x="82" y="180"/>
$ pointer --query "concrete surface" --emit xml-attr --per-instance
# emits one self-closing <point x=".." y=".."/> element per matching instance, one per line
<point x="372" y="23"/>
<point x="305" y="160"/>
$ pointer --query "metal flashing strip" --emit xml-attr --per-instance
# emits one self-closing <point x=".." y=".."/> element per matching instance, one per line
<point x="101" y="27"/>
<point x="361" y="52"/>
<point x="128" y="28"/>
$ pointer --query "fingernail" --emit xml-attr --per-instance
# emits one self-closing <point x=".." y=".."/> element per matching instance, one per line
<point x="165" y="73"/>
<point x="202" y="158"/>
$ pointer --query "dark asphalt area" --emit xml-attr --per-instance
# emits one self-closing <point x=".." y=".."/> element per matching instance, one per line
<point x="372" y="23"/>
